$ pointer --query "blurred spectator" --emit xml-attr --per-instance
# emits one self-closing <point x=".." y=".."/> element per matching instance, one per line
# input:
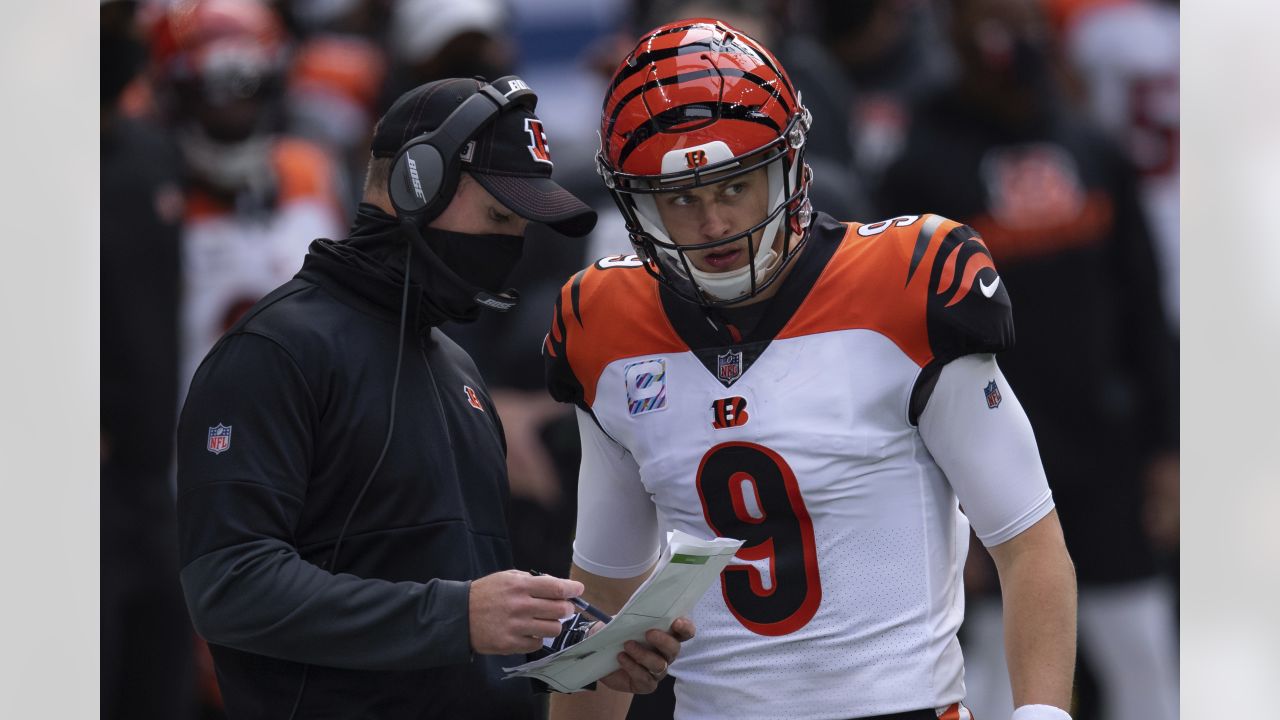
<point x="890" y="52"/>
<point x="332" y="98"/>
<point x="434" y="39"/>
<point x="351" y="18"/>
<point x="254" y="198"/>
<point x="1094" y="362"/>
<point x="1127" y="54"/>
<point x="146" y="657"/>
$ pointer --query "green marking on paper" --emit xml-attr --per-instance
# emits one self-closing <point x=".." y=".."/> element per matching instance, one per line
<point x="689" y="559"/>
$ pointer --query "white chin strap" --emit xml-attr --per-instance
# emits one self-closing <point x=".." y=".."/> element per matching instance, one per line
<point x="733" y="283"/>
<point x="736" y="283"/>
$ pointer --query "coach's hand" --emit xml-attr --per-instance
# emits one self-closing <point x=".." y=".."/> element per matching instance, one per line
<point x="644" y="666"/>
<point x="511" y="611"/>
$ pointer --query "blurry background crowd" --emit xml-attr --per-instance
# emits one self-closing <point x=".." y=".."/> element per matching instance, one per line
<point x="233" y="132"/>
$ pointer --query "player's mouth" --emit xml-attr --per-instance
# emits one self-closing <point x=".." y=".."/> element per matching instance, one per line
<point x="722" y="260"/>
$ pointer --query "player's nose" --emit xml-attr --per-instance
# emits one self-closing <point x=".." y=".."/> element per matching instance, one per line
<point x="716" y="221"/>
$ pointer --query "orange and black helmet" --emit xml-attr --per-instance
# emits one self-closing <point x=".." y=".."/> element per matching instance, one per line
<point x="227" y="47"/>
<point x="695" y="103"/>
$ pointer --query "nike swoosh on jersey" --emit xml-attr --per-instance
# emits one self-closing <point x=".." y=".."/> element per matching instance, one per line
<point x="989" y="290"/>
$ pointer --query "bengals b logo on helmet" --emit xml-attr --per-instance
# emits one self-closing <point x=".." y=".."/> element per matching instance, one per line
<point x="696" y="158"/>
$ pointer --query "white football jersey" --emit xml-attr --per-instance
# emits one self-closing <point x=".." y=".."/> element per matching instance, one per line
<point x="229" y="261"/>
<point x="801" y="438"/>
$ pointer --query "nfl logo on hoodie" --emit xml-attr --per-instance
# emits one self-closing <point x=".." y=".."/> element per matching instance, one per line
<point x="219" y="439"/>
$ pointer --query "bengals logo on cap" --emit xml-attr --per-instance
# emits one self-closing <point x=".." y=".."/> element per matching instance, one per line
<point x="538" y="146"/>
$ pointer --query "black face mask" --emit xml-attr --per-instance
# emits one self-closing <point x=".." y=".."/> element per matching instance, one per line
<point x="461" y="273"/>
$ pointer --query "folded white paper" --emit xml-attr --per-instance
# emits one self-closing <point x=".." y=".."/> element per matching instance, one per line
<point x="682" y="576"/>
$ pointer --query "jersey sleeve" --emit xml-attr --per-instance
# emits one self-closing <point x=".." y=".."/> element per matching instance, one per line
<point x="617" y="533"/>
<point x="562" y="382"/>
<point x="967" y="307"/>
<point x="608" y="311"/>
<point x="977" y="432"/>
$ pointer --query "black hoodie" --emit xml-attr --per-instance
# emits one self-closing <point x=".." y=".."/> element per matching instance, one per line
<point x="285" y="420"/>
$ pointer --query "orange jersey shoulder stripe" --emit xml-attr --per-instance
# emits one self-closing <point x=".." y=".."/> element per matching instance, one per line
<point x="604" y="314"/>
<point x="877" y="281"/>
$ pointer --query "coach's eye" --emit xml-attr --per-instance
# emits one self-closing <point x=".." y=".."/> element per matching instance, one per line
<point x="498" y="217"/>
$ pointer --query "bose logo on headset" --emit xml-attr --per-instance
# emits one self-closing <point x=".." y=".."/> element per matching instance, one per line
<point x="413" y="177"/>
<point x="514" y="85"/>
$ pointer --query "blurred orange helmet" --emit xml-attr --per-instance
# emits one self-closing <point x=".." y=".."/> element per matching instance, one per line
<point x="195" y="38"/>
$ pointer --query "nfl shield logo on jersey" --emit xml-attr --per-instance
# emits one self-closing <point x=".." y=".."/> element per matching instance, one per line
<point x="993" y="395"/>
<point x="219" y="439"/>
<point x="729" y="366"/>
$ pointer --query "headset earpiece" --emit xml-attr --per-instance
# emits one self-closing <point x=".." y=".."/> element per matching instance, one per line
<point x="426" y="169"/>
<point x="418" y="182"/>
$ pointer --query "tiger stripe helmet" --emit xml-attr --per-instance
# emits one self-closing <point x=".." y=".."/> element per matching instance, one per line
<point x="698" y="102"/>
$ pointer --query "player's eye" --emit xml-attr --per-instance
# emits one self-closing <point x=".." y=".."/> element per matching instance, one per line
<point x="684" y="200"/>
<point x="735" y="189"/>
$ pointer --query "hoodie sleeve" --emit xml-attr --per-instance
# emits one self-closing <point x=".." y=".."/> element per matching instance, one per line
<point x="244" y="453"/>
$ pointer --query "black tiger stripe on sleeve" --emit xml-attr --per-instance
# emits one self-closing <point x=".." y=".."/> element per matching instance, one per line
<point x="561" y="381"/>
<point x="968" y="307"/>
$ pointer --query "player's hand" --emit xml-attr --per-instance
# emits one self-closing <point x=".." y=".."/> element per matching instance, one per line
<point x="511" y="611"/>
<point x="645" y="665"/>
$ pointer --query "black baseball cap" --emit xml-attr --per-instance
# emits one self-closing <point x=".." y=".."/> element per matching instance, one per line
<point x="510" y="158"/>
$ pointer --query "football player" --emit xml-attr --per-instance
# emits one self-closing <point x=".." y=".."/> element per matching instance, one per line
<point x="826" y="391"/>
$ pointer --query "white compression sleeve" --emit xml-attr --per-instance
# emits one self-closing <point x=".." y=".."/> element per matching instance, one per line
<point x="617" y="533"/>
<point x="1040" y="712"/>
<point x="979" y="435"/>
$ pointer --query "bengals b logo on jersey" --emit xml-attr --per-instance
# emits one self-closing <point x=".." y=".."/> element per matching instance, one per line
<point x="729" y="412"/>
